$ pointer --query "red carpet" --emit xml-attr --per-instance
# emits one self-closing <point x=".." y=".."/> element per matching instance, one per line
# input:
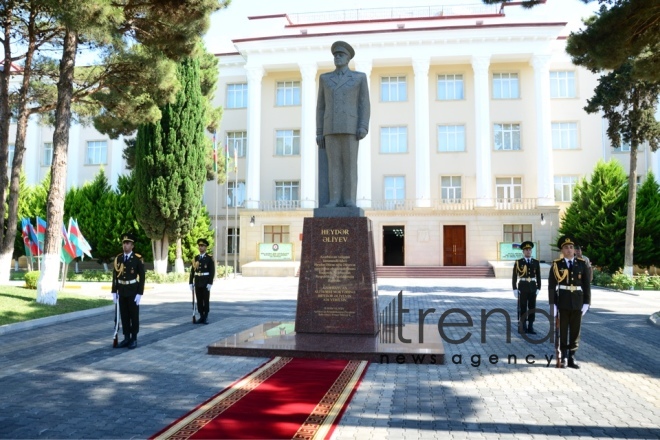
<point x="285" y="398"/>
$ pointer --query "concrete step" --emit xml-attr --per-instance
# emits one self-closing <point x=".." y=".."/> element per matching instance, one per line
<point x="435" y="272"/>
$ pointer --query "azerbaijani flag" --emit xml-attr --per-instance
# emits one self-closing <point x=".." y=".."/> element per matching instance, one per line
<point x="30" y="248"/>
<point x="41" y="228"/>
<point x="34" y="238"/>
<point x="68" y="252"/>
<point x="79" y="242"/>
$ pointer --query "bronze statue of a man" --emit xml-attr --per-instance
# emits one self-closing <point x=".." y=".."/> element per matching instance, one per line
<point x="342" y="119"/>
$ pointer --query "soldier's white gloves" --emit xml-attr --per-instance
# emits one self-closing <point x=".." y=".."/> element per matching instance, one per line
<point x="585" y="307"/>
<point x="208" y="287"/>
<point x="515" y="293"/>
<point x="192" y="287"/>
<point x="115" y="297"/>
<point x="555" y="310"/>
<point x="537" y="292"/>
<point x="138" y="297"/>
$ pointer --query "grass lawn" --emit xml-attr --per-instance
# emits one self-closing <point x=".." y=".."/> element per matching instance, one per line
<point x="19" y="304"/>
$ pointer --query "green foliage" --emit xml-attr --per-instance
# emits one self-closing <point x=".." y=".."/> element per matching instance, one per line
<point x="596" y="218"/>
<point x="171" y="277"/>
<point x="622" y="281"/>
<point x="124" y="207"/>
<point x="628" y="104"/>
<point x="647" y="219"/>
<point x="601" y="278"/>
<point x="31" y="203"/>
<point x="221" y="270"/>
<point x="626" y="30"/>
<point x="170" y="162"/>
<point x="201" y="229"/>
<point x="31" y="279"/>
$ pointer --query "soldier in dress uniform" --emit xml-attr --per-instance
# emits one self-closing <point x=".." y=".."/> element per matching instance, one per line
<point x="569" y="291"/>
<point x="202" y="274"/>
<point x="128" y="288"/>
<point x="526" y="286"/>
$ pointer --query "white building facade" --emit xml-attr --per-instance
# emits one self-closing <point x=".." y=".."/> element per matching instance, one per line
<point x="477" y="133"/>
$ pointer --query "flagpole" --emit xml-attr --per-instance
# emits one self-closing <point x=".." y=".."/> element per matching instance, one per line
<point x="215" y="168"/>
<point x="235" y="211"/>
<point x="227" y="201"/>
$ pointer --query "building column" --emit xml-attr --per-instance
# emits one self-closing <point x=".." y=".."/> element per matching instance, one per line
<point x="253" y="155"/>
<point x="422" y="159"/>
<point x="544" y="164"/>
<point x="484" y="176"/>
<point x="308" y="147"/>
<point x="364" y="152"/>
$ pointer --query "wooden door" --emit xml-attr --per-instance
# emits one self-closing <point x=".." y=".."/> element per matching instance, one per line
<point x="454" y="245"/>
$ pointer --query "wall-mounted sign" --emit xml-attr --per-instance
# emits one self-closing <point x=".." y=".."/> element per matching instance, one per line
<point x="512" y="251"/>
<point x="275" y="251"/>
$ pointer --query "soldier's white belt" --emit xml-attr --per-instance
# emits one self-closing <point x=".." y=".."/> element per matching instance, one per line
<point x="127" y="282"/>
<point x="527" y="279"/>
<point x="571" y="288"/>
<point x="202" y="274"/>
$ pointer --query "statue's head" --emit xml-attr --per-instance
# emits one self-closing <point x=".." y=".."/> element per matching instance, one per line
<point x="342" y="46"/>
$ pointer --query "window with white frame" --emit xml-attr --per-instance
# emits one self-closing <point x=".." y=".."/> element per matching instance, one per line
<point x="623" y="148"/>
<point x="276" y="234"/>
<point x="639" y="181"/>
<point x="287" y="142"/>
<point x="451" y="189"/>
<point x="393" y="89"/>
<point x="47" y="158"/>
<point x="562" y="84"/>
<point x="508" y="189"/>
<point x="516" y="233"/>
<point x="506" y="136"/>
<point x="10" y="157"/>
<point x="237" y="140"/>
<point x="505" y="86"/>
<point x="395" y="190"/>
<point x="451" y="138"/>
<point x="236" y="194"/>
<point x="564" y="187"/>
<point x="393" y="139"/>
<point x="564" y="136"/>
<point x="450" y="87"/>
<point x="233" y="240"/>
<point x="237" y="95"/>
<point x="287" y="191"/>
<point x="288" y="93"/>
<point x="97" y="153"/>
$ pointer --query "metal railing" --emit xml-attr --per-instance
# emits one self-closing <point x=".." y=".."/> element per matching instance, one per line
<point x="393" y="13"/>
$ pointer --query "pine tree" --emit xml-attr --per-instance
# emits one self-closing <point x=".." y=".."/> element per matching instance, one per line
<point x="202" y="229"/>
<point x="170" y="168"/>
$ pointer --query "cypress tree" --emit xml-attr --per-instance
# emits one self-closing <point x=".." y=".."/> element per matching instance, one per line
<point x="597" y="216"/>
<point x="170" y="166"/>
<point x="647" y="252"/>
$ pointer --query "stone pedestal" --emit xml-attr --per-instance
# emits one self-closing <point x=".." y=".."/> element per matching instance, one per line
<point x="337" y="291"/>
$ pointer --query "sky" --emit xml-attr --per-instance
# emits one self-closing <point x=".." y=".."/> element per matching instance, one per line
<point x="232" y="23"/>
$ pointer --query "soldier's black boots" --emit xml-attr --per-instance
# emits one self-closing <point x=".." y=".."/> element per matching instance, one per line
<point x="530" y="329"/>
<point x="124" y="343"/>
<point x="132" y="344"/>
<point x="571" y="361"/>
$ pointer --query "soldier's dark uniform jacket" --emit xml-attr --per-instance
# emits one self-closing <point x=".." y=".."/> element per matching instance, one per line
<point x="128" y="277"/>
<point x="202" y="272"/>
<point x="569" y="289"/>
<point x="526" y="275"/>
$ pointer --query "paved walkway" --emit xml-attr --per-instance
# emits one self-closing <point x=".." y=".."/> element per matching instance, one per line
<point x="62" y="379"/>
